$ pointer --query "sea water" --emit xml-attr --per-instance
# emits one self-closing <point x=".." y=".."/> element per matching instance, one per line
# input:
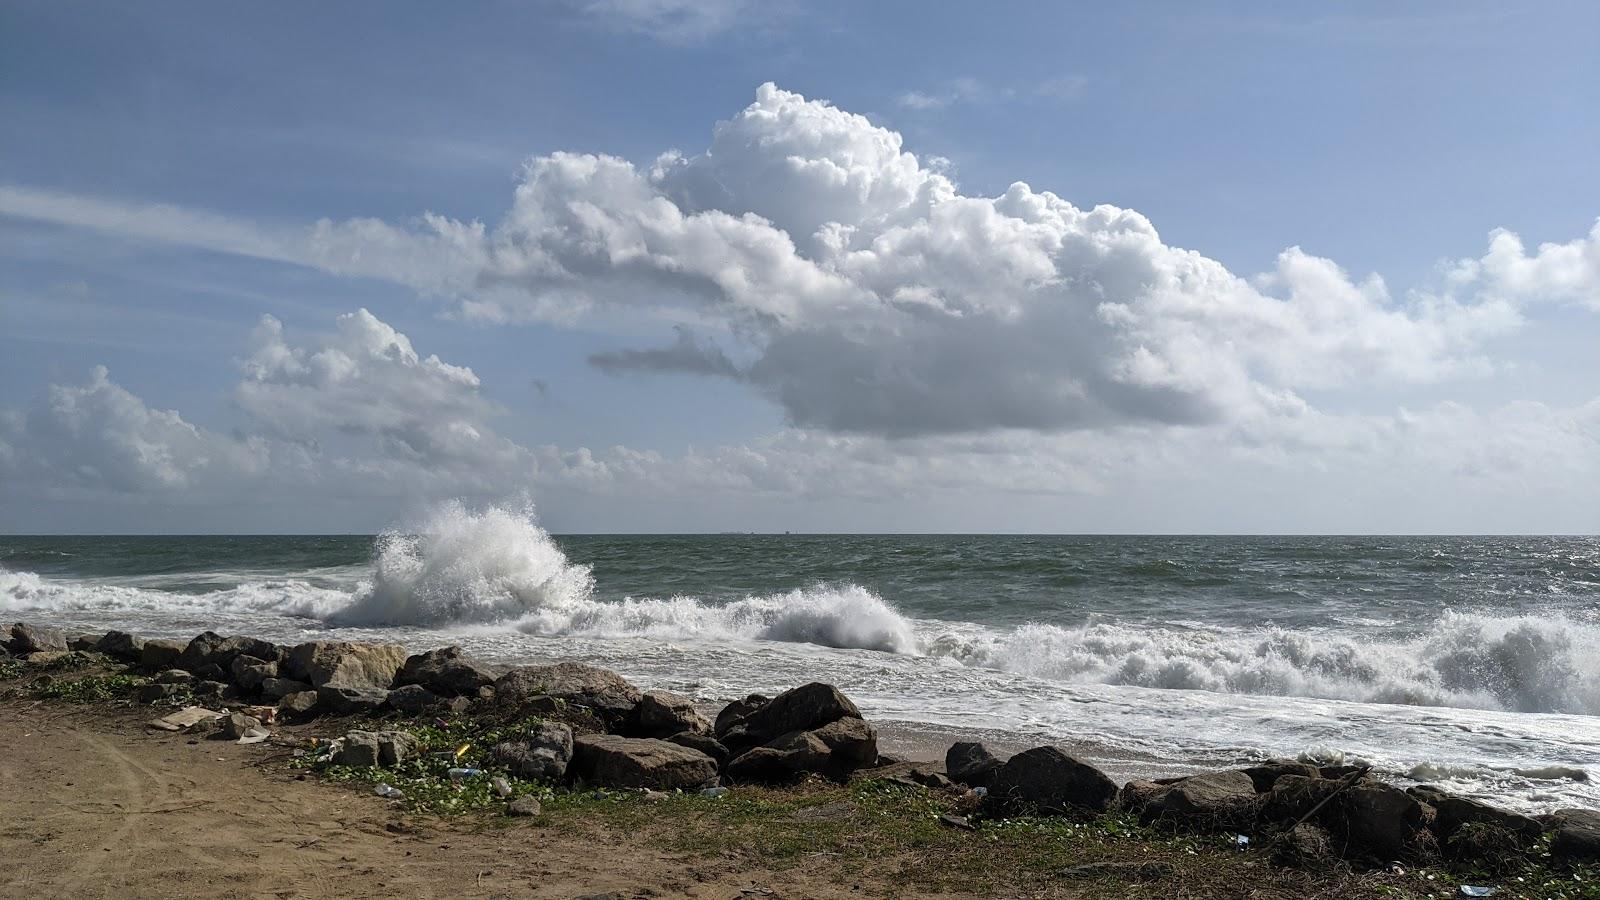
<point x="1471" y="662"/>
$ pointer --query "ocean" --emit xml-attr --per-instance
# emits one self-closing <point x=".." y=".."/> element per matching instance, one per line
<point x="1472" y="662"/>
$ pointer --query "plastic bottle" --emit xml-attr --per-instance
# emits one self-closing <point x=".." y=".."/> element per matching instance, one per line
<point x="466" y="772"/>
<point x="500" y="786"/>
<point x="389" y="792"/>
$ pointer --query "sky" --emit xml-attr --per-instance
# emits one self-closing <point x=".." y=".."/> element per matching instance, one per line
<point x="660" y="266"/>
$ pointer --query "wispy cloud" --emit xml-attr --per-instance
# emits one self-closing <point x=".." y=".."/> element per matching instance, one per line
<point x="960" y="91"/>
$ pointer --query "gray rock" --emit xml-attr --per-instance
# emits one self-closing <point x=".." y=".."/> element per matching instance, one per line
<point x="737" y="711"/>
<point x="151" y="693"/>
<point x="971" y="763"/>
<point x="235" y="725"/>
<point x="174" y="676"/>
<point x="1380" y="816"/>
<point x="357" y="748"/>
<point x="660" y="714"/>
<point x="158" y="654"/>
<point x="1577" y="838"/>
<point x="804" y="708"/>
<point x="1141" y="797"/>
<point x="85" y="643"/>
<point x="212" y="690"/>
<point x="1214" y="800"/>
<point x="349" y="700"/>
<point x="1451" y="813"/>
<point x="604" y="692"/>
<point x="299" y="705"/>
<point x="249" y="672"/>
<point x="614" y="761"/>
<point x="122" y="646"/>
<point x="212" y="649"/>
<point x="413" y="699"/>
<point x="544" y="753"/>
<point x="211" y="672"/>
<point x="343" y="664"/>
<point x="446" y="672"/>
<point x="27" y="639"/>
<point x="1265" y="775"/>
<point x="395" y="747"/>
<point x="705" y="743"/>
<point x="1048" y="780"/>
<point x="278" y="688"/>
<point x="526" y="805"/>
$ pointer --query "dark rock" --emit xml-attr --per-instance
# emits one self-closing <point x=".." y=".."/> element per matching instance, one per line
<point x="363" y="668"/>
<point x="1048" y="780"/>
<point x="447" y="672"/>
<point x="357" y="748"/>
<point x="1380" y="816"/>
<point x="835" y="750"/>
<point x="737" y="711"/>
<point x="121" y="645"/>
<point x="278" y="688"/>
<point x="804" y="708"/>
<point x="151" y="693"/>
<point x="1428" y="793"/>
<point x="395" y="747"/>
<point x="1451" y="813"/>
<point x="27" y="639"/>
<point x="543" y="753"/>
<point x="1121" y="871"/>
<point x="971" y="763"/>
<point x="212" y="649"/>
<point x="1214" y="800"/>
<point x="604" y="692"/>
<point x="210" y="672"/>
<point x="1294" y="796"/>
<point x="249" y="672"/>
<point x="85" y="643"/>
<point x="705" y="743"/>
<point x="158" y="654"/>
<point x="1577" y="838"/>
<point x="1141" y="797"/>
<point x="348" y="700"/>
<point x="174" y="676"/>
<point x="526" y="805"/>
<point x="1487" y="847"/>
<point x="1305" y="844"/>
<point x="1265" y="775"/>
<point x="935" y="780"/>
<point x="413" y="699"/>
<point x="299" y="705"/>
<point x="212" y="690"/>
<point x="639" y="763"/>
<point x="660" y="714"/>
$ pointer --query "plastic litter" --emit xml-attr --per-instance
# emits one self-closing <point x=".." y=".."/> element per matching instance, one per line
<point x="463" y="772"/>
<point x="714" y="792"/>
<point x="500" y="786"/>
<point x="389" y="792"/>
<point x="462" y="750"/>
<point x="1474" y="890"/>
<point x="981" y="791"/>
<point x="1241" y="841"/>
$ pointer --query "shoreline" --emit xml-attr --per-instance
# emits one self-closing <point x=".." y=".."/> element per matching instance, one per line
<point x="580" y="745"/>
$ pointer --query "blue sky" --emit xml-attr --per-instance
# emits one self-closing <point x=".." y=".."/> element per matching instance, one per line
<point x="1387" y="139"/>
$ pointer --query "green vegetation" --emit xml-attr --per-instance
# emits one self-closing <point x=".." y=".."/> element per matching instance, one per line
<point x="90" y="688"/>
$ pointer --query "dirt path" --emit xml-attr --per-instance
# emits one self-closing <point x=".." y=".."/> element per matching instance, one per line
<point x="92" y="806"/>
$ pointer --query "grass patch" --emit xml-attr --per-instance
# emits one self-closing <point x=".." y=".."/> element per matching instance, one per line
<point x="10" y="670"/>
<point x="89" y="689"/>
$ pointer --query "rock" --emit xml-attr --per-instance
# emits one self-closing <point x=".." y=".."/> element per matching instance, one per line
<point x="58" y="659"/>
<point x="971" y="763"/>
<point x="1265" y="775"/>
<point x="299" y="705"/>
<point x="27" y="639"/>
<point x="639" y="763"/>
<point x="605" y="692"/>
<point x="542" y="754"/>
<point x="804" y="708"/>
<point x="1428" y="793"/>
<point x="211" y="672"/>
<point x="737" y="712"/>
<point x="1305" y="844"/>
<point x="660" y="714"/>
<point x="249" y="672"/>
<point x="526" y="805"/>
<point x="705" y="743"/>
<point x="85" y="643"/>
<point x="151" y="693"/>
<point x="278" y="688"/>
<point x="395" y="747"/>
<point x="446" y="672"/>
<point x="934" y="780"/>
<point x="1141" y="797"/>
<point x="1048" y="780"/>
<point x="1451" y="813"/>
<point x="212" y="649"/>
<point x="349" y="700"/>
<point x="174" y="676"/>
<point x="413" y="699"/>
<point x="122" y="646"/>
<point x="1214" y="800"/>
<point x="1487" y="847"/>
<point x="1577" y="838"/>
<point x="358" y="749"/>
<point x="343" y="664"/>
<point x="834" y="750"/>
<point x="236" y="725"/>
<point x="1294" y="796"/>
<point x="158" y="654"/>
<point x="1382" y="817"/>
<point x="212" y="690"/>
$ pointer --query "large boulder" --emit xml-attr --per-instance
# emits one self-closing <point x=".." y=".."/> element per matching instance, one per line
<point x="122" y="646"/>
<point x="612" y="761"/>
<point x="357" y="748"/>
<point x="212" y="649"/>
<point x="1265" y="775"/>
<point x="705" y="743"/>
<point x="447" y="672"/>
<point x="348" y="701"/>
<point x="159" y="654"/>
<point x="801" y="709"/>
<point x="299" y="705"/>
<point x="85" y="643"/>
<point x="414" y="699"/>
<point x="608" y="695"/>
<point x="278" y="688"/>
<point x="543" y="753"/>
<point x="343" y="664"/>
<point x="737" y="711"/>
<point x="660" y="714"/>
<point x="971" y="763"/>
<point x="1210" y="801"/>
<point x="1048" y="781"/>
<point x="1452" y="813"/>
<point x="27" y="639"/>
<point x="1367" y="817"/>
<point x="1577" y="838"/>
<point x="249" y="672"/>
